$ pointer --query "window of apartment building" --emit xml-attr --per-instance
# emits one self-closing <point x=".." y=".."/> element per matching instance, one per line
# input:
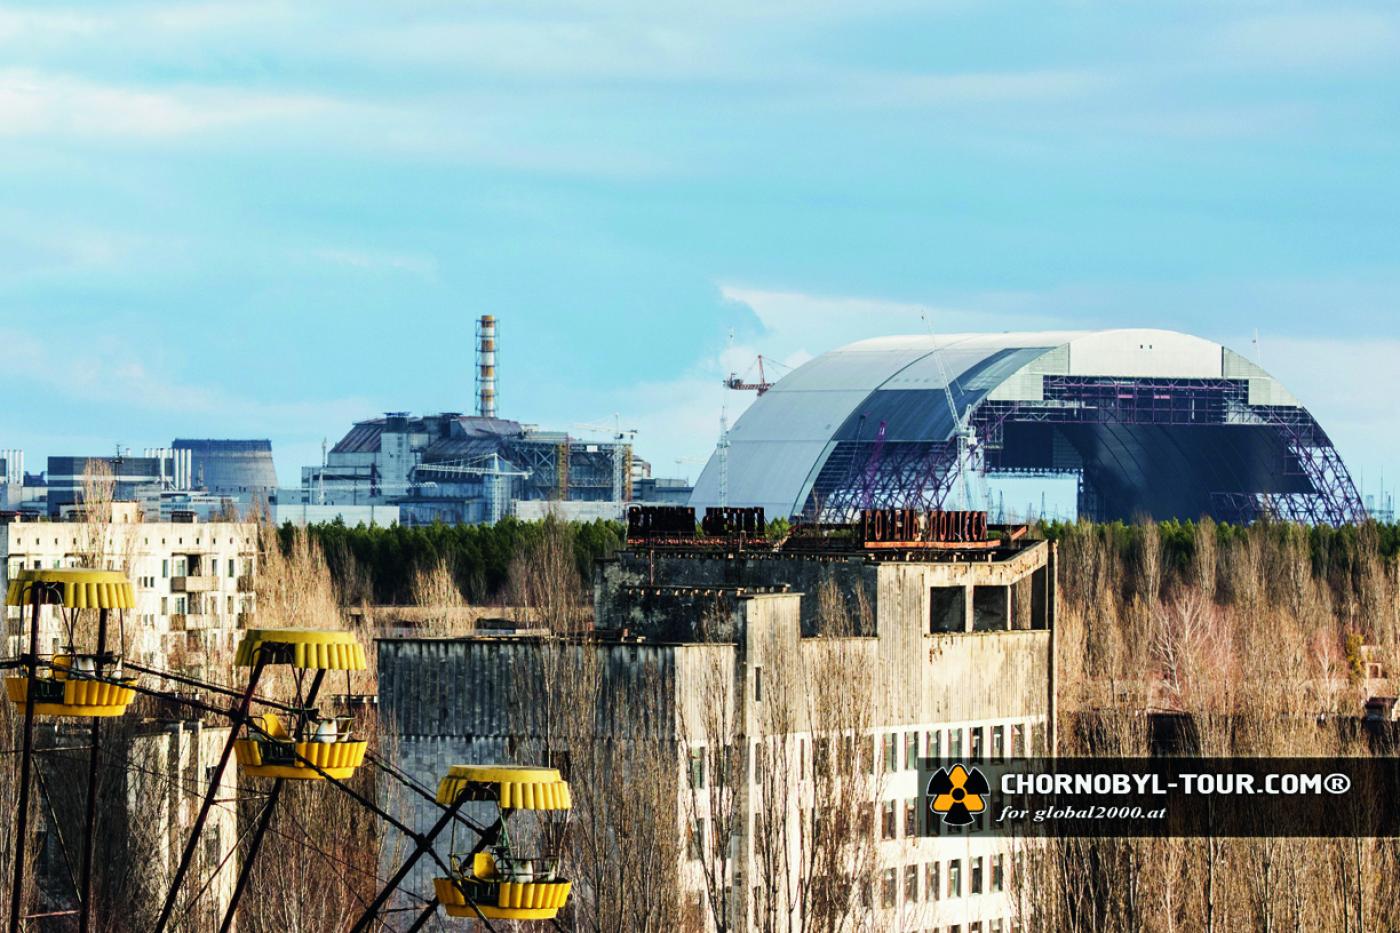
<point x="995" y="926"/>
<point x="891" y="751"/>
<point x="955" y="878"/>
<point x="911" y="884"/>
<point x="758" y="685"/>
<point x="976" y="885"/>
<point x="998" y="872"/>
<point x="757" y="763"/>
<point x="165" y="605"/>
<point x="933" y="744"/>
<point x="889" y="829"/>
<point x="889" y="887"/>
<point x="181" y="567"/>
<point x="955" y="928"/>
<point x="975" y="735"/>
<point x="911" y="750"/>
<point x="851" y="750"/>
<point x="165" y="568"/>
<point x="947" y="609"/>
<point x="954" y="744"/>
<point x="180" y="604"/>
<point x="931" y="889"/>
<point x="697" y="840"/>
<point x="975" y="927"/>
<point x="911" y="818"/>
<point x="1018" y="740"/>
<point x="232" y="567"/>
<point x="998" y="743"/>
<point x="230" y="605"/>
<point x="697" y="768"/>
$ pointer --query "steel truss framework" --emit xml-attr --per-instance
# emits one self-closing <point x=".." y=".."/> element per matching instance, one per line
<point x="872" y="471"/>
<point x="238" y="714"/>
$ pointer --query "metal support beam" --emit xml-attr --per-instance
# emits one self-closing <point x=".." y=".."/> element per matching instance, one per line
<point x="90" y="815"/>
<point x="187" y="855"/>
<point x="425" y="843"/>
<point x="26" y="761"/>
<point x="425" y="916"/>
<point x="245" y="870"/>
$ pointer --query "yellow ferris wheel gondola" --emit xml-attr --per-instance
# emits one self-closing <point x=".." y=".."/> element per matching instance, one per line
<point x="76" y="684"/>
<point x="310" y="747"/>
<point x="73" y="684"/>
<point x="501" y="881"/>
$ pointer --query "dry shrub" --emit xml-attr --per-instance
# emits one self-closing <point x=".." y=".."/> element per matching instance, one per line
<point x="1256" y="637"/>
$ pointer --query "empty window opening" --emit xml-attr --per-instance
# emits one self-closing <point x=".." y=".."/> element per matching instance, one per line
<point x="990" y="606"/>
<point x="947" y="609"/>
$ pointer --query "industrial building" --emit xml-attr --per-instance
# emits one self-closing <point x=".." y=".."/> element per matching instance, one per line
<point x="1148" y="422"/>
<point x="201" y="478"/>
<point x="236" y="468"/>
<point x="458" y="468"/>
<point x="65" y="477"/>
<point x="944" y="649"/>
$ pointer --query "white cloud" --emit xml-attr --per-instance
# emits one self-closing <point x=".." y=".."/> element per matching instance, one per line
<point x="815" y="323"/>
<point x="378" y="261"/>
<point x="106" y="370"/>
<point x="885" y="89"/>
<point x="37" y="103"/>
<point x="1330" y="38"/>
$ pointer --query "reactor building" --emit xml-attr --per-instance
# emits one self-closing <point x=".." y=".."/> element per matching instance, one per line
<point x="458" y="468"/>
<point x="1149" y="422"/>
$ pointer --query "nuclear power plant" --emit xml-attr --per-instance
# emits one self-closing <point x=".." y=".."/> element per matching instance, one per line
<point x="470" y="468"/>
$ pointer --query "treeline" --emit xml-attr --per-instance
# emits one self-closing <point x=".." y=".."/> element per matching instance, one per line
<point x="1261" y="641"/>
<point x="378" y="565"/>
<point x="1336" y="555"/>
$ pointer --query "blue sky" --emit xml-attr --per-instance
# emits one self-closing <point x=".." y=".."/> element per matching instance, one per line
<point x="269" y="219"/>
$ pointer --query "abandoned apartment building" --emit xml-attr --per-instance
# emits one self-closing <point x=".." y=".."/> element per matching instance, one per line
<point x="941" y="646"/>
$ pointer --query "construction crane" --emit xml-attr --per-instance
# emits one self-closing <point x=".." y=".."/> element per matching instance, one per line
<point x="735" y="381"/>
<point x="618" y="432"/>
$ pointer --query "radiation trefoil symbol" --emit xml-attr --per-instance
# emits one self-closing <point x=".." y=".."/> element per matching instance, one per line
<point x="957" y="794"/>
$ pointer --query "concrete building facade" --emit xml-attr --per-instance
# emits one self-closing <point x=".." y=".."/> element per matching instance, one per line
<point x="954" y="651"/>
<point x="193" y="581"/>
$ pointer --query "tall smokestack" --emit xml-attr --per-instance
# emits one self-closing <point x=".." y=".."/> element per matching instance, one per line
<point x="486" y="366"/>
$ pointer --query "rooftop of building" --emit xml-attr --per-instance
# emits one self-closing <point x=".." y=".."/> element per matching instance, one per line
<point x="450" y="434"/>
<point x="905" y="535"/>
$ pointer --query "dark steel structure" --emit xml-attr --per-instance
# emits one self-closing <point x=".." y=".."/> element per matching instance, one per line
<point x="1149" y="423"/>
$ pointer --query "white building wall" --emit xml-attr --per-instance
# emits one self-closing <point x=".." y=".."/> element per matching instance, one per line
<point x="193" y="582"/>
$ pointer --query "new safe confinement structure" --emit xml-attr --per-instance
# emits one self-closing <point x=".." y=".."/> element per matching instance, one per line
<point x="1149" y="422"/>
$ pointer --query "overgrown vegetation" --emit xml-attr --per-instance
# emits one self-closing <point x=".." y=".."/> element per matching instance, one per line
<point x="1269" y="639"/>
<point x="380" y="565"/>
